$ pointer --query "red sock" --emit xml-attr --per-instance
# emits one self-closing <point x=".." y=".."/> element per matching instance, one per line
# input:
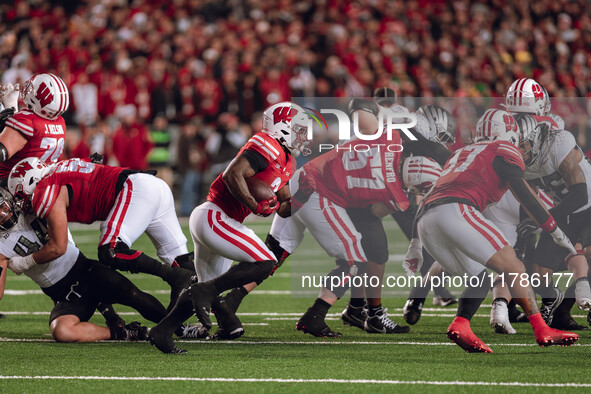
<point x="537" y="322"/>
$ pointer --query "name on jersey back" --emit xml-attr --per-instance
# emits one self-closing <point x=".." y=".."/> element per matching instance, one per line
<point x="54" y="129"/>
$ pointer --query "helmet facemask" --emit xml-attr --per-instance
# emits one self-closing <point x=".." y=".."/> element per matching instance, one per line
<point x="8" y="212"/>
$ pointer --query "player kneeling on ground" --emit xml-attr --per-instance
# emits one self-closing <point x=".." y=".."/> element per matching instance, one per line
<point x="75" y="284"/>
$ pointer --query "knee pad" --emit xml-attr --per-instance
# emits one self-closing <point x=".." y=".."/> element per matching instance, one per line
<point x="355" y="268"/>
<point x="280" y="253"/>
<point x="186" y="261"/>
<point x="338" y="280"/>
<point x="266" y="267"/>
<point x="119" y="256"/>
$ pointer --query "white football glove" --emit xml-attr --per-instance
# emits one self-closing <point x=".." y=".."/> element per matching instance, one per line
<point x="9" y="95"/>
<point x="20" y="264"/>
<point x="561" y="239"/>
<point x="414" y="257"/>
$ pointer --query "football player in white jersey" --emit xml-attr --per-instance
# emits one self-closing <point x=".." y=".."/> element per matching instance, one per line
<point x="435" y="124"/>
<point x="556" y="165"/>
<point x="76" y="284"/>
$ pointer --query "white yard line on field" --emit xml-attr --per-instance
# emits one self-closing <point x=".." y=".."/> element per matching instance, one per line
<point x="333" y="341"/>
<point x="281" y="380"/>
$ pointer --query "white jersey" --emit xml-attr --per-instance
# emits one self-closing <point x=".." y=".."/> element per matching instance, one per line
<point x="28" y="236"/>
<point x="544" y="171"/>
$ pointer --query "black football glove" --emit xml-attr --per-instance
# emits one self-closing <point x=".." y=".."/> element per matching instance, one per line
<point x="4" y="115"/>
<point x="96" y="158"/>
<point x="526" y="228"/>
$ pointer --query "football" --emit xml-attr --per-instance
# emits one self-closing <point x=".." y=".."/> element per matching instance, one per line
<point x="259" y="189"/>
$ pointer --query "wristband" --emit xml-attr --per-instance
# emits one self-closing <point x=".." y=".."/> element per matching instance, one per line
<point x="549" y="225"/>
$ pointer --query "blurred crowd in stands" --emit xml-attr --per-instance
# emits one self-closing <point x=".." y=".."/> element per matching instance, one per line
<point x="179" y="85"/>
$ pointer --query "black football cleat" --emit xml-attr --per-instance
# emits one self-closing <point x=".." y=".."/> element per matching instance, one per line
<point x="163" y="341"/>
<point x="380" y="323"/>
<point x="412" y="310"/>
<point x="311" y="323"/>
<point x="567" y="324"/>
<point x="193" y="331"/>
<point x="549" y="306"/>
<point x="179" y="281"/>
<point x="134" y="331"/>
<point x="355" y="316"/>
<point x="229" y="326"/>
<point x="203" y="295"/>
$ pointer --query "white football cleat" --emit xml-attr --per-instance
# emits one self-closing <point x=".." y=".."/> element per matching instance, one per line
<point x="499" y="318"/>
<point x="583" y="294"/>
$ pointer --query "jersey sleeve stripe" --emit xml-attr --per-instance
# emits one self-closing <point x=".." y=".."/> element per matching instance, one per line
<point x="510" y="149"/>
<point x="259" y="138"/>
<point x="263" y="147"/>
<point x="23" y="128"/>
<point x="44" y="206"/>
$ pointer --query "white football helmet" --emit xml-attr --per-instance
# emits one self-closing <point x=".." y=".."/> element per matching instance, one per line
<point x="46" y="95"/>
<point x="441" y="122"/>
<point x="532" y="136"/>
<point x="23" y="180"/>
<point x="497" y="124"/>
<point x="526" y="95"/>
<point x="288" y="123"/>
<point x="419" y="174"/>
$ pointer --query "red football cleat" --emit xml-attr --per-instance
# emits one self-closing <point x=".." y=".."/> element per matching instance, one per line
<point x="549" y="336"/>
<point x="459" y="331"/>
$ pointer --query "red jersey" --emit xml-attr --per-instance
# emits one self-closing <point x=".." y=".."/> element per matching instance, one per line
<point x="276" y="175"/>
<point x="469" y="175"/>
<point x="45" y="139"/>
<point x="360" y="173"/>
<point x="92" y="190"/>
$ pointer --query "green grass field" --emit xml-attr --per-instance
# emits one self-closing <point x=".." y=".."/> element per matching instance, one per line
<point x="272" y="356"/>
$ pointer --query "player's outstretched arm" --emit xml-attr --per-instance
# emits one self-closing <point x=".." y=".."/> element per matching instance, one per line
<point x="530" y="201"/>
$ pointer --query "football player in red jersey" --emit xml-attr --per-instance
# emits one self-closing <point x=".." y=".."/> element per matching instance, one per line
<point x="453" y="230"/>
<point x="343" y="196"/>
<point x="127" y="202"/>
<point x="37" y="130"/>
<point x="217" y="230"/>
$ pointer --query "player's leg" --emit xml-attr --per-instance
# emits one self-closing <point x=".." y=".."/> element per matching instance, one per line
<point x="135" y="208"/>
<point x="418" y="294"/>
<point x="218" y="235"/>
<point x="68" y="321"/>
<point x="333" y="229"/>
<point x="550" y="258"/>
<point x="505" y="262"/>
<point x="112" y="287"/>
<point x="375" y="245"/>
<point x="284" y="237"/>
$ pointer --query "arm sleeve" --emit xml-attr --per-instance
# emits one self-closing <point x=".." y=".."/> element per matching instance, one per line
<point x="44" y="199"/>
<point x="424" y="147"/>
<point x="256" y="160"/>
<point x="513" y="174"/>
<point x="22" y="124"/>
<point x="575" y="199"/>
